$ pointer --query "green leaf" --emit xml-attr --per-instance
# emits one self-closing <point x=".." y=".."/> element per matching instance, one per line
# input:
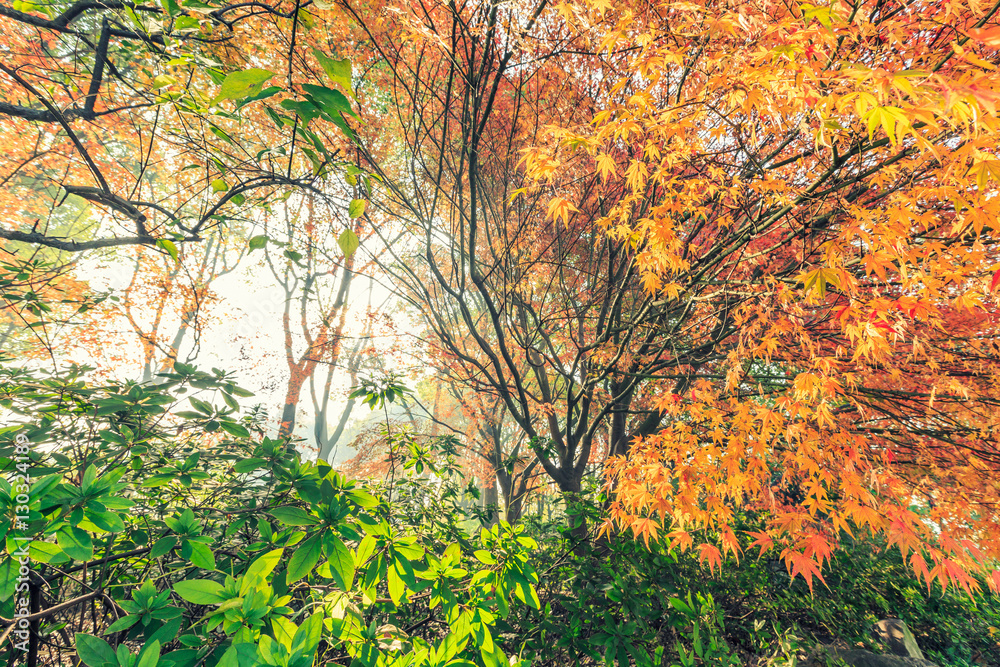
<point x="362" y="498"/>
<point x="492" y="655"/>
<point x="342" y="560"/>
<point x="163" y="80"/>
<point x="44" y="485"/>
<point x="257" y="573"/>
<point x="262" y="95"/>
<point x="200" y="591"/>
<point x="485" y="557"/>
<point x="293" y="516"/>
<point x="306" y="639"/>
<point x="219" y="185"/>
<point x="169" y="246"/>
<point x="202" y="556"/>
<point x="150" y="655"/>
<point x="89" y="477"/>
<point x="331" y="102"/>
<point x="235" y="430"/>
<point x="162" y="546"/>
<point x="94" y="651"/>
<point x="305" y="110"/>
<point x="75" y="543"/>
<point x="339" y="71"/>
<point x="229" y="658"/>
<point x="107" y="521"/>
<point x="247" y="83"/>
<point x="201" y="406"/>
<point x="257" y="242"/>
<point x="123" y="623"/>
<point x="8" y="578"/>
<point x="357" y="208"/>
<point x="304" y="559"/>
<point x="46" y="552"/>
<point x="248" y="465"/>
<point x="158" y="480"/>
<point x="166" y="633"/>
<point x="348" y="242"/>
<point x="396" y="586"/>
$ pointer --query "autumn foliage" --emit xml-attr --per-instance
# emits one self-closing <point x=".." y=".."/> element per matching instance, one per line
<point x="740" y="254"/>
<point x="811" y="193"/>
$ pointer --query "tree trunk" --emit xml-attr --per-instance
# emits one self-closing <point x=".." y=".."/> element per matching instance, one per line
<point x="491" y="503"/>
<point x="292" y="393"/>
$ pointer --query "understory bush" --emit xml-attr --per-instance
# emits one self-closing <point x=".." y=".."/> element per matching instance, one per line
<point x="143" y="535"/>
<point x="621" y="602"/>
<point x="152" y="525"/>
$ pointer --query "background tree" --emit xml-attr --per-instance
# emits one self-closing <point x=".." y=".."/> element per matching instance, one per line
<point x="167" y="304"/>
<point x="317" y="270"/>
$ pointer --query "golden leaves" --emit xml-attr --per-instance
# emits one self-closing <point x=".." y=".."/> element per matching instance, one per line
<point x="857" y="160"/>
<point x="891" y="120"/>
<point x="816" y="281"/>
<point x="560" y="209"/>
<point x="985" y="170"/>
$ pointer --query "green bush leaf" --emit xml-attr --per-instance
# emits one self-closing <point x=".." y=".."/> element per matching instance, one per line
<point x="46" y="552"/>
<point x="94" y="651"/>
<point x="123" y="623"/>
<point x="304" y="559"/>
<point x="396" y="586"/>
<point x="248" y="465"/>
<point x="200" y="591"/>
<point x="257" y="573"/>
<point x="8" y="577"/>
<point x="166" y="633"/>
<point x="76" y="543"/>
<point x="234" y="429"/>
<point x="342" y="560"/>
<point x="150" y="655"/>
<point x="162" y="546"/>
<point x="294" y="516"/>
<point x="202" y="556"/>
<point x="307" y="637"/>
<point x="158" y="480"/>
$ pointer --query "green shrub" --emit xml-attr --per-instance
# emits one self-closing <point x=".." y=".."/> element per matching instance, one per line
<point x="182" y="538"/>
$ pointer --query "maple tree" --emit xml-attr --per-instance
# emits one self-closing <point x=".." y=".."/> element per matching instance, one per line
<point x="810" y="192"/>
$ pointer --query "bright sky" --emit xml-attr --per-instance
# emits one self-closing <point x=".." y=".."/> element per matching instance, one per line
<point x="244" y="335"/>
